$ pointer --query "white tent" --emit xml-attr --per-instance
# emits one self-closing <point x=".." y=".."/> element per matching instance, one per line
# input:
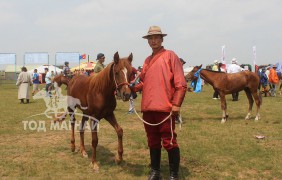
<point x="187" y="70"/>
<point x="41" y="69"/>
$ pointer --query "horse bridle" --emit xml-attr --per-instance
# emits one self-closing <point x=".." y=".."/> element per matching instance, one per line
<point x="120" y="84"/>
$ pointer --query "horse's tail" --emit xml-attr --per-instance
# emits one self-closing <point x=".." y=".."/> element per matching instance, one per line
<point x="260" y="96"/>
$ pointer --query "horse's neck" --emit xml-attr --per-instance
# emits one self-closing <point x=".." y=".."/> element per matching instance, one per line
<point x="106" y="81"/>
<point x="208" y="76"/>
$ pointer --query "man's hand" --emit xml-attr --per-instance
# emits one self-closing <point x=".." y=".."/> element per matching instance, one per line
<point x="175" y="110"/>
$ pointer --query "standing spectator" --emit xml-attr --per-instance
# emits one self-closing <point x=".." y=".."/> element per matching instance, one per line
<point x="221" y="67"/>
<point x="263" y="81"/>
<point x="234" y="68"/>
<point x="267" y="71"/>
<point x="24" y="81"/>
<point x="178" y="118"/>
<point x="66" y="69"/>
<point x="35" y="79"/>
<point x="100" y="64"/>
<point x="215" y="67"/>
<point x="133" y="80"/>
<point x="163" y="90"/>
<point x="273" y="80"/>
<point x="48" y="82"/>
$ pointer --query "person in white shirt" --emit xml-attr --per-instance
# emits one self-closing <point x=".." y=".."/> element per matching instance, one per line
<point x="48" y="77"/>
<point x="234" y="68"/>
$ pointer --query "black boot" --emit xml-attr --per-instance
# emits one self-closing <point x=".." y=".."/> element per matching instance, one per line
<point x="22" y="101"/>
<point x="174" y="160"/>
<point x="155" y="173"/>
<point x="27" y="101"/>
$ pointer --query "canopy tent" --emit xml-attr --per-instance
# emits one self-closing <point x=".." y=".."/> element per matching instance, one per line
<point x="85" y="65"/>
<point x="41" y="69"/>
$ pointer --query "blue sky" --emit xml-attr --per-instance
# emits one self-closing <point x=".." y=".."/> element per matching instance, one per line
<point x="196" y="29"/>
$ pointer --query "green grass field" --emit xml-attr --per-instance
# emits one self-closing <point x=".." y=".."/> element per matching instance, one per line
<point x="209" y="149"/>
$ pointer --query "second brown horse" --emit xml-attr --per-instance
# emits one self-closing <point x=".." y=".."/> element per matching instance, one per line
<point x="229" y="83"/>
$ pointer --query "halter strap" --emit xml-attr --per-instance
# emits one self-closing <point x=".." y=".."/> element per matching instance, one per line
<point x="120" y="84"/>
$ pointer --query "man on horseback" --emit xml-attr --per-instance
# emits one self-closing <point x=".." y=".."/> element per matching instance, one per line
<point x="66" y="70"/>
<point x="163" y="87"/>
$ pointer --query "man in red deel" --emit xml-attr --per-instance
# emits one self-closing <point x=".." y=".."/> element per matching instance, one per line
<point x="163" y="89"/>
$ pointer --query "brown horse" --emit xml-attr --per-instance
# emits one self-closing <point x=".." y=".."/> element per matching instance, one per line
<point x="230" y="83"/>
<point x="96" y="93"/>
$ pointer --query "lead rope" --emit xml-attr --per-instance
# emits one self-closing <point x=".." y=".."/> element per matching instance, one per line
<point x="150" y="124"/>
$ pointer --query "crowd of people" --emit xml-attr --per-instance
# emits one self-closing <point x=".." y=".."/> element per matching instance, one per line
<point x="269" y="80"/>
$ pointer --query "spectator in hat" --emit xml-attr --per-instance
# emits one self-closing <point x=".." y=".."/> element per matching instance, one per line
<point x="215" y="65"/>
<point x="23" y="82"/>
<point x="234" y="68"/>
<point x="163" y="89"/>
<point x="100" y="64"/>
<point x="273" y="80"/>
<point x="66" y="69"/>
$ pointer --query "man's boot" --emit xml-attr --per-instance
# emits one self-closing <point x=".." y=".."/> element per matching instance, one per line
<point x="174" y="160"/>
<point x="22" y="101"/>
<point x="27" y="101"/>
<point x="155" y="173"/>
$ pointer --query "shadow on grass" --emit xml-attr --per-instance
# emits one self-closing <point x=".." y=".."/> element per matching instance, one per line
<point x="106" y="161"/>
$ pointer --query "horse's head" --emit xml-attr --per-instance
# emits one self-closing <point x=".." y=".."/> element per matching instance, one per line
<point x="121" y="71"/>
<point x="60" y="79"/>
<point x="190" y="76"/>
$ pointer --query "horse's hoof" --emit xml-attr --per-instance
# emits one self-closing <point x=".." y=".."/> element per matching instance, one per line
<point x="223" y="121"/>
<point x="247" y="117"/>
<point x="72" y="149"/>
<point x="95" y="167"/>
<point x="257" y="118"/>
<point x="84" y="154"/>
<point x="118" y="160"/>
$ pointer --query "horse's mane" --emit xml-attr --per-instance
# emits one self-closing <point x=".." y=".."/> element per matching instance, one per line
<point x="102" y="79"/>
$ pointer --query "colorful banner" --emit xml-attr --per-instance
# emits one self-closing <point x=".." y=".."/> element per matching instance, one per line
<point x="82" y="56"/>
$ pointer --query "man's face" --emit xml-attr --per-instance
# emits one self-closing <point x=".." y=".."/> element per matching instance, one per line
<point x="155" y="41"/>
<point x="102" y="59"/>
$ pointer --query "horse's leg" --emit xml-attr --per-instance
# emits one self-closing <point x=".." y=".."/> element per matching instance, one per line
<point x="112" y="120"/>
<point x="72" y="120"/>
<point x="251" y="102"/>
<point x="94" y="144"/>
<point x="82" y="128"/>
<point x="258" y="101"/>
<point x="223" y="108"/>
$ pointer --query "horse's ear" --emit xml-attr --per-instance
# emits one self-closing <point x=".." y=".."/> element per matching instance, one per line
<point x="116" y="58"/>
<point x="130" y="57"/>
<point x="200" y="66"/>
